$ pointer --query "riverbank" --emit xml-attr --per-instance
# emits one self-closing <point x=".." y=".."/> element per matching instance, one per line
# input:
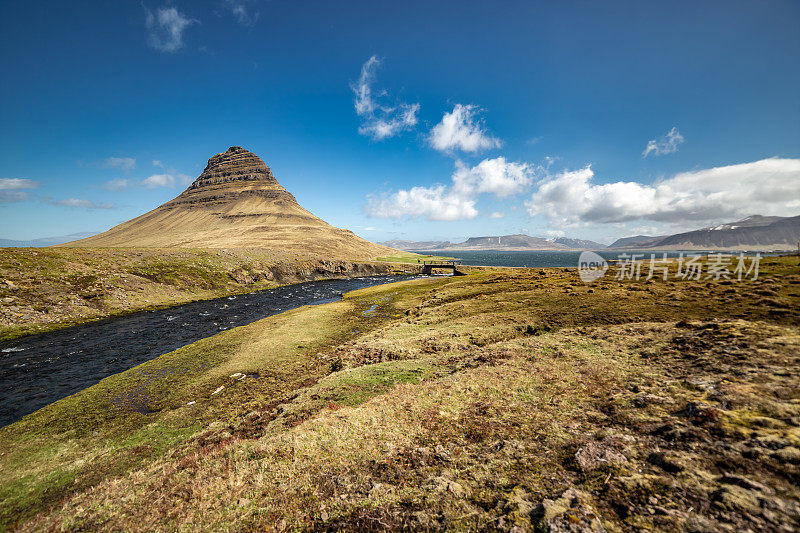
<point x="498" y="399"/>
<point x="42" y="289"/>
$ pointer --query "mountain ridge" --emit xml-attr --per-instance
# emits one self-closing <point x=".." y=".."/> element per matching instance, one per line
<point x="235" y="202"/>
<point x="754" y="233"/>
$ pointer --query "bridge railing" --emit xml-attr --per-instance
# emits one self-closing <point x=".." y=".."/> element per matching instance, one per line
<point x="452" y="262"/>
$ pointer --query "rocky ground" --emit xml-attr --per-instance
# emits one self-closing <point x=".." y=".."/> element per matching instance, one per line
<point x="509" y="400"/>
<point x="44" y="289"/>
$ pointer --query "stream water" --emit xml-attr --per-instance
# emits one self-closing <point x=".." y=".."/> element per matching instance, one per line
<point x="40" y="369"/>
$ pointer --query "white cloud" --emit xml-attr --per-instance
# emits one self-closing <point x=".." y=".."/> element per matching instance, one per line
<point x="243" y="11"/>
<point x="665" y="144"/>
<point x="165" y="28"/>
<point x="456" y="202"/>
<point x="433" y="203"/>
<point x="381" y="121"/>
<point x="166" y="180"/>
<point x="493" y="176"/>
<point x="79" y="202"/>
<point x="116" y="185"/>
<point x="9" y="184"/>
<point x="497" y="214"/>
<point x="14" y="189"/>
<point x="158" y="163"/>
<point x="123" y="163"/>
<point x="461" y="129"/>
<point x="765" y="187"/>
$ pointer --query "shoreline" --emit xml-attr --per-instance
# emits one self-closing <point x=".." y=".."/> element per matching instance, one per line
<point x="77" y="288"/>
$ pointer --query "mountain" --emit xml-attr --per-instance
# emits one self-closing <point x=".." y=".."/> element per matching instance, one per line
<point x="500" y="242"/>
<point x="45" y="241"/>
<point x="507" y="242"/>
<point x="236" y="202"/>
<point x="751" y="233"/>
<point x="754" y="233"/>
<point x="638" y="240"/>
<point x="751" y="221"/>
<point x="415" y="245"/>
<point x="579" y="244"/>
<point x="518" y="242"/>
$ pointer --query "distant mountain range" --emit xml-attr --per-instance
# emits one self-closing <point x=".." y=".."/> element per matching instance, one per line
<point x="579" y="244"/>
<point x="754" y="233"/>
<point x="45" y="241"/>
<point x="518" y="242"/>
<point x="636" y="241"/>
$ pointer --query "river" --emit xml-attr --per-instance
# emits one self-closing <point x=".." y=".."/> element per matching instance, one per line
<point x="39" y="369"/>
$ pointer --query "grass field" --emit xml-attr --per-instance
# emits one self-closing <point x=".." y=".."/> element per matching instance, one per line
<point x="507" y="398"/>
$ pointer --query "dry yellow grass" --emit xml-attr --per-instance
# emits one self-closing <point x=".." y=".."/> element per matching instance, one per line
<point x="510" y="398"/>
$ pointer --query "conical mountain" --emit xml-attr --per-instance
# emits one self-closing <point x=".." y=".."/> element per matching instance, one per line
<point x="236" y="202"/>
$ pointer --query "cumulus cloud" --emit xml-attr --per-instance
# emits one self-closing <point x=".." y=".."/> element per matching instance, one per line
<point x="497" y="214"/>
<point x="463" y="130"/>
<point x="15" y="189"/>
<point x="80" y="202"/>
<point x="380" y="121"/>
<point x="456" y="202"/>
<point x="493" y="176"/>
<point x="243" y="10"/>
<point x="765" y="187"/>
<point x="433" y="203"/>
<point x="166" y="180"/>
<point x="666" y="144"/>
<point x="165" y="28"/>
<point x="123" y="163"/>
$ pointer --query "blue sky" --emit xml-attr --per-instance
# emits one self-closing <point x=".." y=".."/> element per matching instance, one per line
<point x="586" y="119"/>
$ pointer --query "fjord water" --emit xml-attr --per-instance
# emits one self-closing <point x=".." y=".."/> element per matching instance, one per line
<point x="544" y="258"/>
<point x="40" y="369"/>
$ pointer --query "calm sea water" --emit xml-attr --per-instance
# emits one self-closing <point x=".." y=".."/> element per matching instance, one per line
<point x="540" y="259"/>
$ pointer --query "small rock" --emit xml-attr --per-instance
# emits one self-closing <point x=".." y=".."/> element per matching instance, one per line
<point x="218" y="390"/>
<point x="666" y="462"/>
<point x="595" y="455"/>
<point x="644" y="399"/>
<point x="442" y="453"/>
<point x="192" y="402"/>
<point x="456" y="489"/>
<point x="790" y="455"/>
<point x="746" y="483"/>
<point x="572" y="512"/>
<point x="701" y="412"/>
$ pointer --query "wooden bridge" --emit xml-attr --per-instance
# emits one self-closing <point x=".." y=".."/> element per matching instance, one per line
<point x="428" y="266"/>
